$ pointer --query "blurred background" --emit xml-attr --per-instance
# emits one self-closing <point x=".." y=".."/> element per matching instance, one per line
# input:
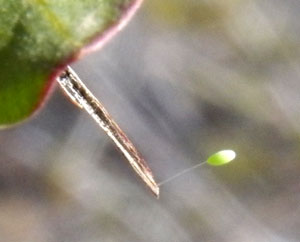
<point x="185" y="79"/>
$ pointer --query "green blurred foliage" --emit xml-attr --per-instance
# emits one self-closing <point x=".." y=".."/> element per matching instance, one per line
<point x="36" y="37"/>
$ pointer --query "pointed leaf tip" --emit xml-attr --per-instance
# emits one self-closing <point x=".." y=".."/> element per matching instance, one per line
<point x="221" y="158"/>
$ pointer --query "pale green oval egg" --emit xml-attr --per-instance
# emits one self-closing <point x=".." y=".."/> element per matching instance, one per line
<point x="221" y="158"/>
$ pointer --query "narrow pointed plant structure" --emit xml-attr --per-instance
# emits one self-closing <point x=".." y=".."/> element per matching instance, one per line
<point x="38" y="39"/>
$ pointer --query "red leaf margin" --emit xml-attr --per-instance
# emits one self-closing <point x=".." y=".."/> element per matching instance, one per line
<point x="95" y="44"/>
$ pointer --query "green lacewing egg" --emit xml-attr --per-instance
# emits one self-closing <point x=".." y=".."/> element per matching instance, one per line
<point x="221" y="158"/>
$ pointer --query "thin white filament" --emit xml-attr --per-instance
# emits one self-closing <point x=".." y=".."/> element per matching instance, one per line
<point x="180" y="173"/>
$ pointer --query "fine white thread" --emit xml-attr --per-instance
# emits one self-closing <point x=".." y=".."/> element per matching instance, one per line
<point x="180" y="173"/>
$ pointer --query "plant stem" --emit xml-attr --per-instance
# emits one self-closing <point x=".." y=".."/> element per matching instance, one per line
<point x="81" y="95"/>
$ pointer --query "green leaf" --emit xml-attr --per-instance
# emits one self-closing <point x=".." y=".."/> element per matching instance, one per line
<point x="39" y="37"/>
<point x="221" y="158"/>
